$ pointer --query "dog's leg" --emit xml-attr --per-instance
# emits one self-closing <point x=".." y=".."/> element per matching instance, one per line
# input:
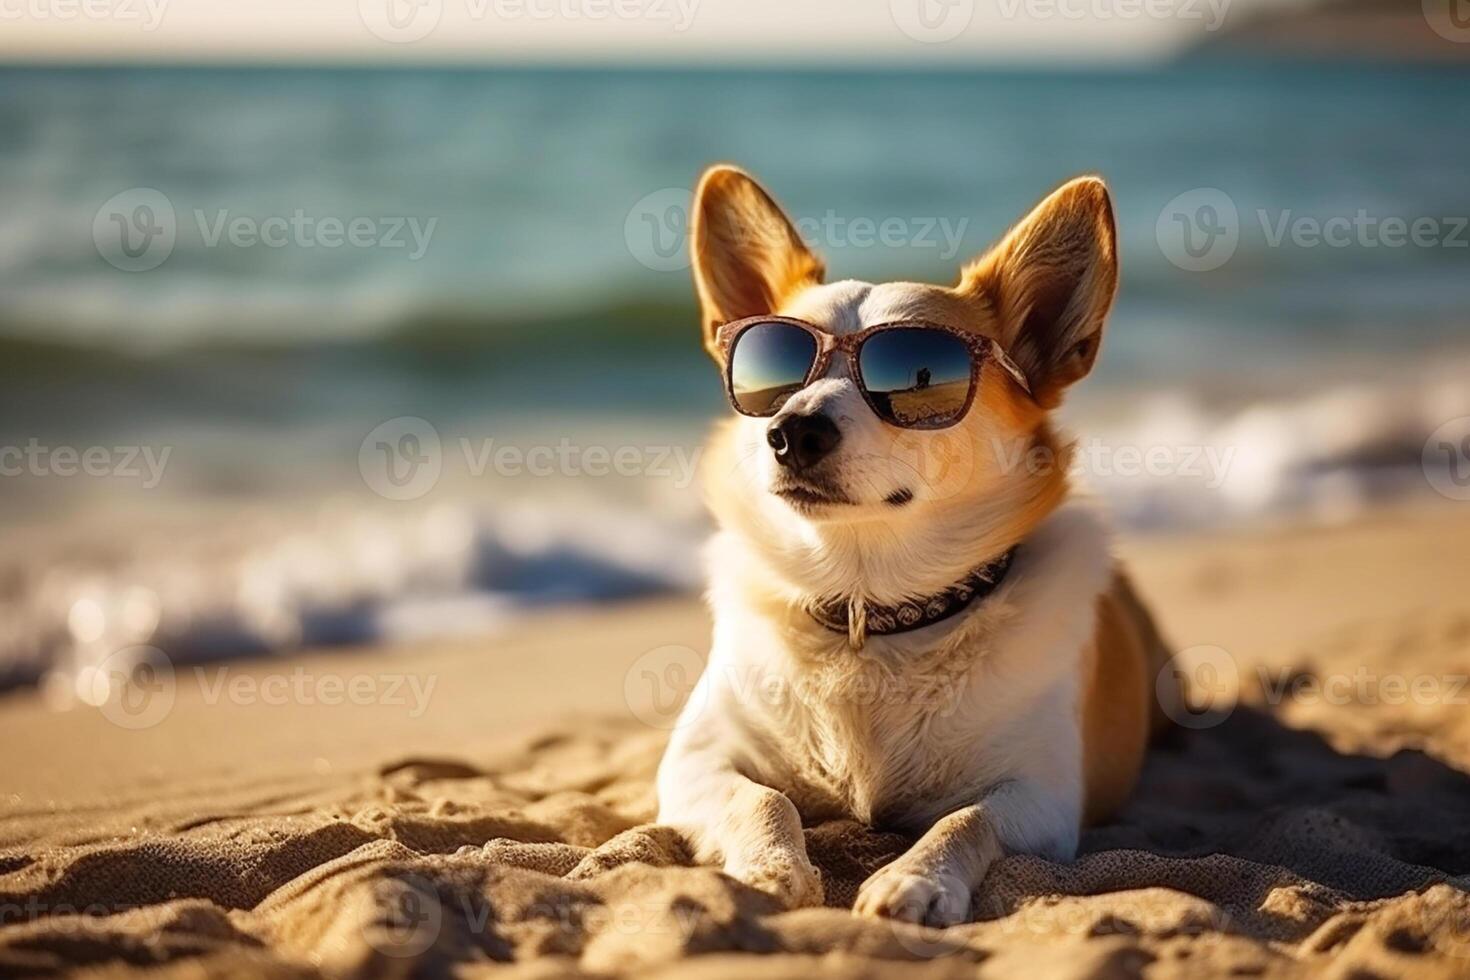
<point x="752" y="831"/>
<point x="760" y="835"/>
<point x="932" y="882"/>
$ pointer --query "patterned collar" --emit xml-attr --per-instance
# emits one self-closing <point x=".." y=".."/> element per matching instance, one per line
<point x="842" y="614"/>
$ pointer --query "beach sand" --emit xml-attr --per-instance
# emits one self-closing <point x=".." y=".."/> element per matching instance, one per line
<point x="484" y="806"/>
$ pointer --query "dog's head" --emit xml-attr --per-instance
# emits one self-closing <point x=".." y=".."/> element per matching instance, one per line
<point x="826" y="460"/>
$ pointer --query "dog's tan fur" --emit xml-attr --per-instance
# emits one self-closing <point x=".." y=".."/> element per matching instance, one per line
<point x="997" y="731"/>
<point x="1122" y="708"/>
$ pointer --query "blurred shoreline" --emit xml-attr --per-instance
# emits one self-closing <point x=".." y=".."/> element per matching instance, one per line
<point x="313" y="549"/>
<point x="1288" y="597"/>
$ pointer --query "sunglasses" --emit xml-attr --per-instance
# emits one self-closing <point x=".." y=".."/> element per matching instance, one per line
<point x="913" y="374"/>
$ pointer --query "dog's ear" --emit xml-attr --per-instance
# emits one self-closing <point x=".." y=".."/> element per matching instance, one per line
<point x="1051" y="282"/>
<point x="747" y="256"/>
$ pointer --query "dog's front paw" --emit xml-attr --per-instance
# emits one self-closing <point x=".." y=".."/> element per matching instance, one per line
<point x="788" y="876"/>
<point x="934" y="899"/>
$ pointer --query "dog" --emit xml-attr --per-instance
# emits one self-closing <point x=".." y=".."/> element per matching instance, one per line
<point x="917" y="625"/>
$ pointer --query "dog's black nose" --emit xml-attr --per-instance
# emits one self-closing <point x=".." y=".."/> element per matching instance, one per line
<point x="802" y="441"/>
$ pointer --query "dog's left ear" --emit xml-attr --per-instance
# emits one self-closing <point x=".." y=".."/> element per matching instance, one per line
<point x="747" y="255"/>
<point x="1051" y="282"/>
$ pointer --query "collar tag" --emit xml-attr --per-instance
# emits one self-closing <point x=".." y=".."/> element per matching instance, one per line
<point x="857" y="623"/>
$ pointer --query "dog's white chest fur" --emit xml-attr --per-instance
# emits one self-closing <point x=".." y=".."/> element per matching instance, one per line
<point x="912" y="725"/>
<point x="873" y="733"/>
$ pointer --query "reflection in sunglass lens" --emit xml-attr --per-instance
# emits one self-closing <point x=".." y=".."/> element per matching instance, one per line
<point x="768" y="365"/>
<point x="917" y="377"/>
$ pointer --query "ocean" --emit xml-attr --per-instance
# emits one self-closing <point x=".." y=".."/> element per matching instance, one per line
<point x="233" y="287"/>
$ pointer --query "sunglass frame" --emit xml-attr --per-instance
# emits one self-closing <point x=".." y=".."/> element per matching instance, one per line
<point x="981" y="350"/>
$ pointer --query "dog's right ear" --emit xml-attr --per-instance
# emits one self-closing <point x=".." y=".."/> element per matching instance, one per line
<point x="747" y="256"/>
<point x="1052" y="280"/>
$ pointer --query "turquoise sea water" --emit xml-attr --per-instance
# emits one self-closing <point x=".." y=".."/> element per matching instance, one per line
<point x="499" y="252"/>
<point x="530" y="177"/>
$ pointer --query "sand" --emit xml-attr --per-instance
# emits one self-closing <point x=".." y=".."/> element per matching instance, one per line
<point x="480" y="807"/>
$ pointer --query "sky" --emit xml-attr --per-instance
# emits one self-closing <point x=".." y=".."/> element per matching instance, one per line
<point x="793" y="32"/>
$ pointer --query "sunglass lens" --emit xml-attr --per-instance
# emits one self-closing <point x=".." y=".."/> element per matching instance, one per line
<point x="917" y="378"/>
<point x="769" y="364"/>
